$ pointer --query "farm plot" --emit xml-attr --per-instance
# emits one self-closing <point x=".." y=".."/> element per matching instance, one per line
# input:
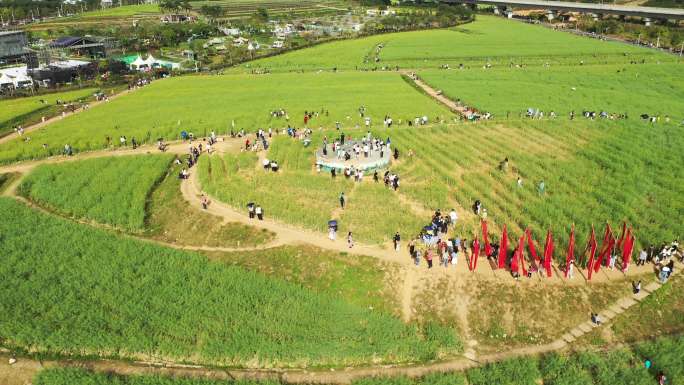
<point x="108" y="17"/>
<point x="492" y="40"/>
<point x="108" y="190"/>
<point x="275" y="8"/>
<point x="171" y="219"/>
<point x="594" y="171"/>
<point x="206" y="310"/>
<point x="653" y="89"/>
<point x="299" y="195"/>
<point x="200" y="104"/>
<point x="16" y="111"/>
<point x="623" y="365"/>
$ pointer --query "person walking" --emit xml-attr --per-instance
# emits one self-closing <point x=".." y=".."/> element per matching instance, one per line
<point x="350" y="240"/>
<point x="636" y="287"/>
<point x="342" y="200"/>
<point x="428" y="258"/>
<point x="250" y="210"/>
<point x="642" y="257"/>
<point x="259" y="212"/>
<point x="396" y="240"/>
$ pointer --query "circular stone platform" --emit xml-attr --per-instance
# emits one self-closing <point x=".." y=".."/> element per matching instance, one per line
<point x="357" y="158"/>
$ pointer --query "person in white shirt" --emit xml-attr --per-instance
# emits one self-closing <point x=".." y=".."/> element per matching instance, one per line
<point x="453" y="216"/>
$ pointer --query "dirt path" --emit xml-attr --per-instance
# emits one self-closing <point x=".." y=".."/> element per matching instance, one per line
<point x="437" y="95"/>
<point x="288" y="234"/>
<point x="39" y="125"/>
<point x="407" y="295"/>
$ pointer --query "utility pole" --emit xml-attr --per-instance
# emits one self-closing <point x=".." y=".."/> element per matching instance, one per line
<point x="681" y="49"/>
<point x="658" y="41"/>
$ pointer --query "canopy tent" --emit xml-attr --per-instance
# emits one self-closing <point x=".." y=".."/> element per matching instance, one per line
<point x="138" y="62"/>
<point x="4" y="79"/>
<point x="151" y="61"/>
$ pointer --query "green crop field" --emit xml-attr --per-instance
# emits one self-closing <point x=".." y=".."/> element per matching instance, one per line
<point x="171" y="219"/>
<point x="206" y="311"/>
<point x="124" y="11"/>
<point x="583" y="164"/>
<point x="93" y="189"/>
<point x="634" y="89"/>
<point x="200" y="104"/>
<point x="619" y="365"/>
<point x="13" y="110"/>
<point x="487" y="40"/>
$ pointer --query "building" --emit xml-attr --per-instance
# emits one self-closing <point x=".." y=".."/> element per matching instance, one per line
<point x="12" y="45"/>
<point x="86" y="46"/>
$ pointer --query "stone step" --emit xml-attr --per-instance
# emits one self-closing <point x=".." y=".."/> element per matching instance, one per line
<point x="567" y="337"/>
<point x="617" y="309"/>
<point x="608" y="314"/>
<point x="577" y="332"/>
<point x="641" y="295"/>
<point x="626" y="302"/>
<point x="586" y="326"/>
<point x="651" y="287"/>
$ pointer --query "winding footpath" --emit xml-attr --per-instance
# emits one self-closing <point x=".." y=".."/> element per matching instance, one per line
<point x="286" y="234"/>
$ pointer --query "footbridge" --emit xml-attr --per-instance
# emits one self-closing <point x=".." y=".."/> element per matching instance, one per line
<point x="646" y="13"/>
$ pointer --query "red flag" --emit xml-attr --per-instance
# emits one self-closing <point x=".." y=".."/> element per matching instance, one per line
<point x="571" y="251"/>
<point x="592" y="252"/>
<point x="516" y="256"/>
<point x="521" y="256"/>
<point x="503" y="248"/>
<point x="627" y="250"/>
<point x="530" y="245"/>
<point x="476" y="254"/>
<point x="622" y="236"/>
<point x="548" y="253"/>
<point x="605" y="247"/>
<point x="485" y="237"/>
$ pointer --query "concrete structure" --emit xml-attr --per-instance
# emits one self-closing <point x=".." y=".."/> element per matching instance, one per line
<point x="590" y="8"/>
<point x="12" y="44"/>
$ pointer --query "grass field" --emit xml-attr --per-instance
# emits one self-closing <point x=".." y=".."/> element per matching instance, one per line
<point x="624" y="365"/>
<point x="288" y="8"/>
<point x="171" y="219"/>
<point x="6" y="179"/>
<point x="103" y="17"/>
<point x="653" y="89"/>
<point x="149" y="302"/>
<point x="487" y="40"/>
<point x="14" y="111"/>
<point x="200" y="104"/>
<point x="583" y="163"/>
<point x="362" y="281"/>
<point x="93" y="189"/>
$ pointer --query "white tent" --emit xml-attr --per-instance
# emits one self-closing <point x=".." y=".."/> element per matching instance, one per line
<point x="4" y="79"/>
<point x="150" y="61"/>
<point x="138" y="62"/>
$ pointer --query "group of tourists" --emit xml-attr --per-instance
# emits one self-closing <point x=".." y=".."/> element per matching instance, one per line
<point x="255" y="210"/>
<point x="432" y="242"/>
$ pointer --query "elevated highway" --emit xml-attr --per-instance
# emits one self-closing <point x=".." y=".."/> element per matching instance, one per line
<point x="590" y="8"/>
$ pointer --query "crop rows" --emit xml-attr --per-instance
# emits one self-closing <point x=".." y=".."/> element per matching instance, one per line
<point x="622" y="365"/>
<point x="109" y="190"/>
<point x="132" y="299"/>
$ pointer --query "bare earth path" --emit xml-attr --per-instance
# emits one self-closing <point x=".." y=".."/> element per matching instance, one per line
<point x="438" y="96"/>
<point x="287" y="234"/>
